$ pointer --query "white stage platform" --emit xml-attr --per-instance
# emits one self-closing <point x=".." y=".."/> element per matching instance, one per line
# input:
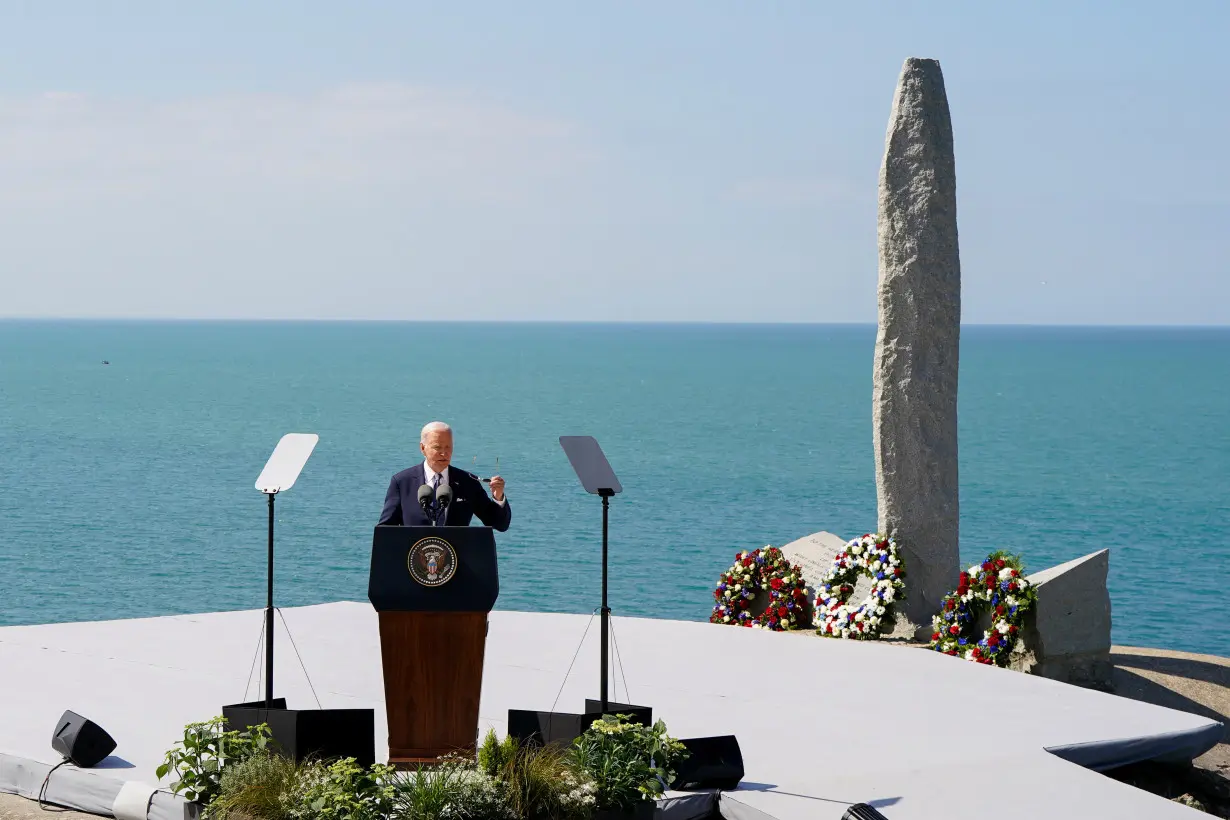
<point x="821" y="723"/>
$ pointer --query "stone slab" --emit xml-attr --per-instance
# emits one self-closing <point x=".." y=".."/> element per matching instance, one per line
<point x="814" y="555"/>
<point x="1068" y="634"/>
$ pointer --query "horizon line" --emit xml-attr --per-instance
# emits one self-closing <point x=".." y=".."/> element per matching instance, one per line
<point x="629" y="322"/>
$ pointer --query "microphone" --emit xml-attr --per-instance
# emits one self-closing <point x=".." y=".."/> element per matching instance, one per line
<point x="444" y="497"/>
<point x="425" y="496"/>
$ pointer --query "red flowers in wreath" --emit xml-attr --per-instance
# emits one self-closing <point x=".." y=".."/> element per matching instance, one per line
<point x="998" y="587"/>
<point x="762" y="570"/>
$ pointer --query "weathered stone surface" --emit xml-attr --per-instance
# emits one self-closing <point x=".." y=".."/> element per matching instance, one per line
<point x="914" y="390"/>
<point x="814" y="555"/>
<point x="1068" y="634"/>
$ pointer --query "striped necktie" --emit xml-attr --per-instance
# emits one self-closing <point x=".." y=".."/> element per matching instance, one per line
<point x="435" y="505"/>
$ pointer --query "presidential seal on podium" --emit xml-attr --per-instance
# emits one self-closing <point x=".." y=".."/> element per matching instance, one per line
<point x="432" y="561"/>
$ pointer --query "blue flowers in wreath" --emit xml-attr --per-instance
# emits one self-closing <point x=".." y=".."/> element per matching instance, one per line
<point x="764" y="570"/>
<point x="996" y="586"/>
<point x="876" y="557"/>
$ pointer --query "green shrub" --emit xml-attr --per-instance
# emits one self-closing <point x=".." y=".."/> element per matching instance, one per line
<point x="627" y="762"/>
<point x="197" y="760"/>
<point x="343" y="790"/>
<point x="262" y="787"/>
<point x="494" y="754"/>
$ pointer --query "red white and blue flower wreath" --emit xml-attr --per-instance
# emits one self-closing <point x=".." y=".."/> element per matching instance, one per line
<point x="998" y="586"/>
<point x="761" y="569"/>
<point x="876" y="557"/>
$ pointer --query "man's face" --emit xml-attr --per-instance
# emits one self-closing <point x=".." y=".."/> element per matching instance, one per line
<point x="437" y="450"/>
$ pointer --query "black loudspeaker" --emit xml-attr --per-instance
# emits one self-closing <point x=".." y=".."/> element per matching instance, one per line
<point x="544" y="728"/>
<point x="562" y="728"/>
<point x="861" y="811"/>
<point x="713" y="763"/>
<point x="81" y="741"/>
<point x="300" y="734"/>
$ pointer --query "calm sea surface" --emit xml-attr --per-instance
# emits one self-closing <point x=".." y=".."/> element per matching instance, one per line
<point x="127" y="490"/>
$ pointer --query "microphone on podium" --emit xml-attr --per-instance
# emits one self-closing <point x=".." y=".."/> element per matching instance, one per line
<point x="444" y="497"/>
<point x="425" y="497"/>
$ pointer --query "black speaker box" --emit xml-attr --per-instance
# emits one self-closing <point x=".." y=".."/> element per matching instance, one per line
<point x="322" y="734"/>
<point x="637" y="714"/>
<point x="713" y="763"/>
<point x="82" y="741"/>
<point x="542" y="728"/>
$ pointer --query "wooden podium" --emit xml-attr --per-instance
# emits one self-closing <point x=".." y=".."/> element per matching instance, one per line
<point x="432" y="588"/>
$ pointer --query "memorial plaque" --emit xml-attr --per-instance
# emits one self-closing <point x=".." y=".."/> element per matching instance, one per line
<point x="814" y="555"/>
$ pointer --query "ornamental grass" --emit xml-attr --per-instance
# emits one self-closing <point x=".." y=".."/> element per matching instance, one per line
<point x="614" y="765"/>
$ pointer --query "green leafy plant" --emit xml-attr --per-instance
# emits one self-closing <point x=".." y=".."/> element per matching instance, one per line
<point x="455" y="789"/>
<point x="344" y="790"/>
<point x="261" y="786"/>
<point x="423" y="794"/>
<point x="476" y="796"/>
<point x="196" y="761"/>
<point x="627" y="762"/>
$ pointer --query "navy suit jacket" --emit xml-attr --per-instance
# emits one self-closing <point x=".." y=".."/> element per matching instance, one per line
<point x="401" y="503"/>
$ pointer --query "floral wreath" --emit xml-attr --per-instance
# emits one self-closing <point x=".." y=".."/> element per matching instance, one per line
<point x="998" y="585"/>
<point x="876" y="557"/>
<point x="761" y="569"/>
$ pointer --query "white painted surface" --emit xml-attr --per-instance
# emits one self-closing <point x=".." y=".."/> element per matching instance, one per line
<point x="821" y="723"/>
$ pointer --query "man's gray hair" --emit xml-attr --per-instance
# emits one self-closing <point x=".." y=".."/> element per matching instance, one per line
<point x="433" y="427"/>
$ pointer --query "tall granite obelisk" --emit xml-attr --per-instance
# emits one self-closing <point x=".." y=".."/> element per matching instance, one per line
<point x="914" y="392"/>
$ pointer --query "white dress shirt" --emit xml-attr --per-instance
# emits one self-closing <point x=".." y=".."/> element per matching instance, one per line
<point x="429" y="475"/>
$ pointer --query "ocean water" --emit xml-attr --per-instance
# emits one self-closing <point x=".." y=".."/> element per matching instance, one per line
<point x="126" y="490"/>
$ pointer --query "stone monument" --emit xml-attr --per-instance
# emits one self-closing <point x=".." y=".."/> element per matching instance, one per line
<point x="914" y="390"/>
<point x="1068" y="634"/>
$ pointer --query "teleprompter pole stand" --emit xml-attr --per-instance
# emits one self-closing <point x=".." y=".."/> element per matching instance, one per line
<point x="597" y="477"/>
<point x="269" y="613"/>
<point x="280" y="473"/>
<point x="606" y="494"/>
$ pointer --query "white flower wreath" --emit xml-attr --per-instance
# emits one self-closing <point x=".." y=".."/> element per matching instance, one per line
<point x="876" y="557"/>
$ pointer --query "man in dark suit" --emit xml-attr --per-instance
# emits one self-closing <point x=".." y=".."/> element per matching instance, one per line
<point x="401" y="504"/>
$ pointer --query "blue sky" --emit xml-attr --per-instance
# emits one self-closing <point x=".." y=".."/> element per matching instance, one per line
<point x="699" y="161"/>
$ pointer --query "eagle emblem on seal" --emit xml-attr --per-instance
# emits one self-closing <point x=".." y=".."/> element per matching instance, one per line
<point x="432" y="561"/>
